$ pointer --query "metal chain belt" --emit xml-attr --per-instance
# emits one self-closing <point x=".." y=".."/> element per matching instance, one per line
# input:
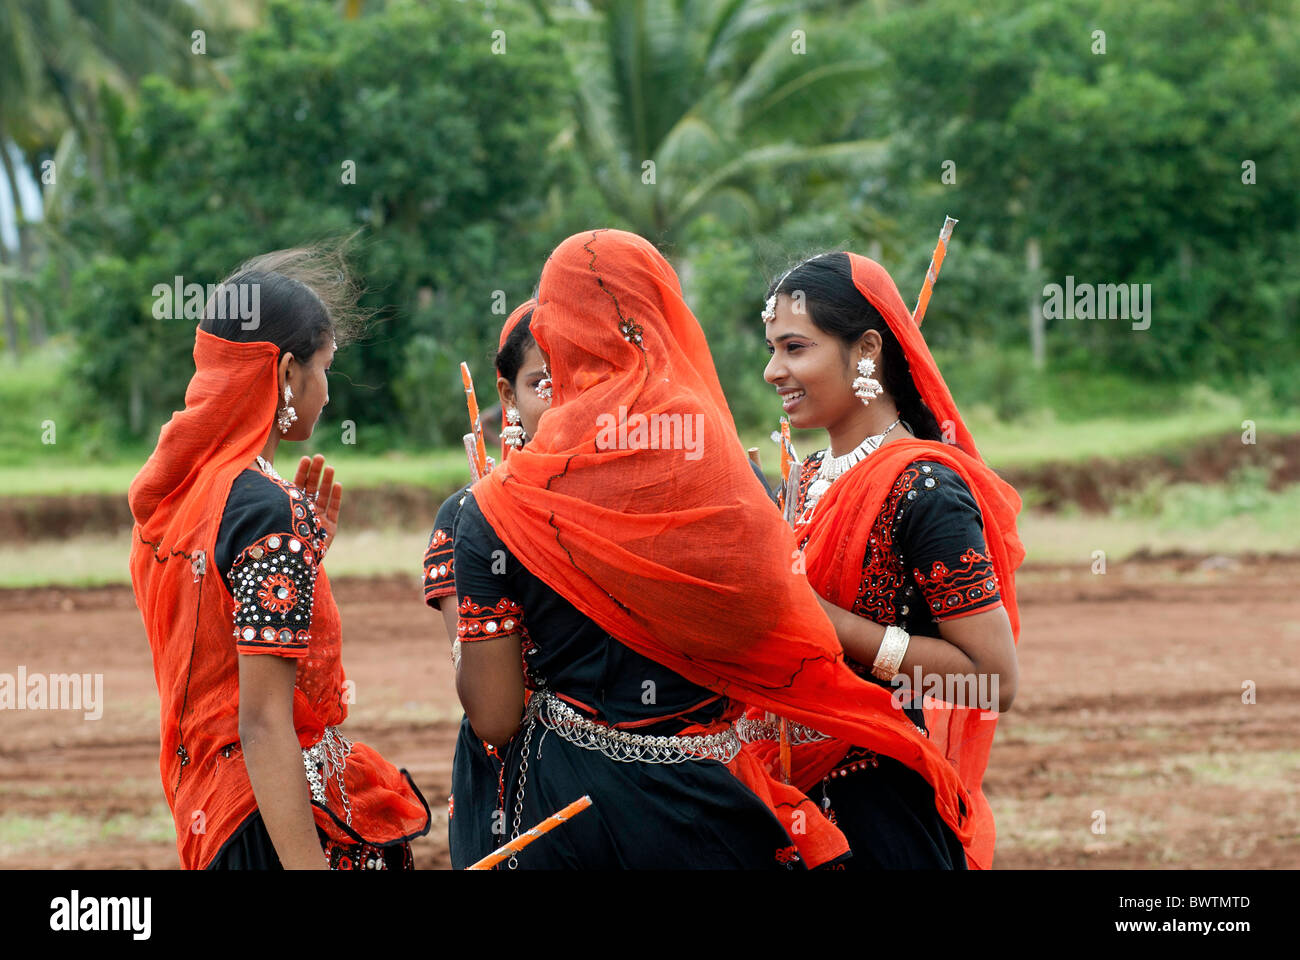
<point x="324" y="759"/>
<point x="626" y="747"/>
<point x="750" y="730"/>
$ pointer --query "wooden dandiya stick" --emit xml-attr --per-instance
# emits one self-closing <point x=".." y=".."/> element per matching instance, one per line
<point x="528" y="836"/>
<point x="478" y="452"/>
<point x="932" y="274"/>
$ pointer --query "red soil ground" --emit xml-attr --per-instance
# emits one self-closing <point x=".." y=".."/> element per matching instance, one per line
<point x="1130" y="703"/>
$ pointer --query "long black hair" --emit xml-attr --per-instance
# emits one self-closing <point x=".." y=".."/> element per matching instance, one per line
<point x="837" y="307"/>
<point x="304" y="297"/>
<point x="511" y="355"/>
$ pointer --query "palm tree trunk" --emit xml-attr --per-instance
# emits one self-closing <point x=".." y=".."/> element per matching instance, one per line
<point x="6" y="285"/>
<point x="20" y="221"/>
<point x="7" y="304"/>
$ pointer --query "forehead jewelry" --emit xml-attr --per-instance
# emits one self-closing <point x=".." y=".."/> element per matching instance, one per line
<point x="769" y="307"/>
<point x="543" y="387"/>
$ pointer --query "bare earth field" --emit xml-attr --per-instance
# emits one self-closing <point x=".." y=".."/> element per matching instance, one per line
<point x="1129" y="744"/>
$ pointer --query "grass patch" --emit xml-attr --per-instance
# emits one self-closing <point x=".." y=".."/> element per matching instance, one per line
<point x="1213" y="519"/>
<point x="97" y="561"/>
<point x="65" y="831"/>
<point x="1066" y="418"/>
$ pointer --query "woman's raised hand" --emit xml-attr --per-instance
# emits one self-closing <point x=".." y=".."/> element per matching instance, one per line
<point x="317" y="481"/>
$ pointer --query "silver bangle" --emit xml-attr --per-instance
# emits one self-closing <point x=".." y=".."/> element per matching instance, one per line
<point x="889" y="660"/>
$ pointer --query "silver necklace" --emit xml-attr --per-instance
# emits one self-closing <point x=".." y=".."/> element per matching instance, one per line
<point x="266" y="466"/>
<point x="834" y="467"/>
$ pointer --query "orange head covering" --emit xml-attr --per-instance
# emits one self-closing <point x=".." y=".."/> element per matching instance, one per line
<point x="512" y="321"/>
<point x="177" y="500"/>
<point x="663" y="537"/>
<point x="837" y="544"/>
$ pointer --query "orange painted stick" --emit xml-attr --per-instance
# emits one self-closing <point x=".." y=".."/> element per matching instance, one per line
<point x="528" y="836"/>
<point x="787" y="464"/>
<point x="478" y="465"/>
<point x="932" y="274"/>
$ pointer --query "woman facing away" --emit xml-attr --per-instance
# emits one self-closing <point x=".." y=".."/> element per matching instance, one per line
<point x="629" y="552"/>
<point x="477" y="774"/>
<point x="226" y="565"/>
<point x="911" y="542"/>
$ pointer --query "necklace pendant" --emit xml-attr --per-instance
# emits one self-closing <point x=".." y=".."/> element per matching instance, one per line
<point x="817" y="488"/>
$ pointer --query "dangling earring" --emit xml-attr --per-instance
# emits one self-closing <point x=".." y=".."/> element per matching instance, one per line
<point x="544" y="385"/>
<point x="866" y="388"/>
<point x="513" y="433"/>
<point x="288" y="416"/>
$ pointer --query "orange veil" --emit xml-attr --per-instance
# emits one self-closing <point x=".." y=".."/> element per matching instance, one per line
<point x="512" y="321"/>
<point x="671" y="546"/>
<point x="177" y="500"/>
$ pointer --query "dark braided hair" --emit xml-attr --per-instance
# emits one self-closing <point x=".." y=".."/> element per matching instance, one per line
<point x="837" y="307"/>
<point x="305" y="297"/>
<point x="511" y="355"/>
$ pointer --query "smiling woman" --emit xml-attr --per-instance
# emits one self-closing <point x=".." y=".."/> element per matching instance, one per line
<point x="926" y="587"/>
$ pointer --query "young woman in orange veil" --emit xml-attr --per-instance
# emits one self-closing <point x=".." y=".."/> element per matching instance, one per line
<point x="911" y="542"/>
<point x="227" y="568"/>
<point x="654" y="589"/>
<point x="477" y="774"/>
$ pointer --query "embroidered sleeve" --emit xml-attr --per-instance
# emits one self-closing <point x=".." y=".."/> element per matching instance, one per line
<point x="439" y="556"/>
<point x="485" y="579"/>
<point x="272" y="581"/>
<point x="439" y="575"/>
<point x="479" y="622"/>
<point x="942" y="542"/>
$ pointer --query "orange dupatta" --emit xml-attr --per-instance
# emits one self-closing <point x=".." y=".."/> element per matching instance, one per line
<point x="177" y="500"/>
<point x="677" y="552"/>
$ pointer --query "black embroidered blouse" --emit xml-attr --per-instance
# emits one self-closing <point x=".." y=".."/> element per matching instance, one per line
<point x="439" y="556"/>
<point x="268" y="546"/>
<point x="926" y="559"/>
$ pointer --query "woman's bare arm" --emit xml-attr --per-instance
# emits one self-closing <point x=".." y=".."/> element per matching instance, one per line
<point x="979" y="644"/>
<point x="273" y="758"/>
<point x="490" y="684"/>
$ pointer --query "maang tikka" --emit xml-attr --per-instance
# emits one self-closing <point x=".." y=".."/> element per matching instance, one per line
<point x="543" y="387"/>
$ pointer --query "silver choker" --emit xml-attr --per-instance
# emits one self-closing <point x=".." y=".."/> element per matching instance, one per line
<point x="834" y="467"/>
<point x="268" y="469"/>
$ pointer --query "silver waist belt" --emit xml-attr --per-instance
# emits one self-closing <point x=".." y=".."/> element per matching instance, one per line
<point x="625" y="747"/>
<point x="750" y="730"/>
<point x="324" y="759"/>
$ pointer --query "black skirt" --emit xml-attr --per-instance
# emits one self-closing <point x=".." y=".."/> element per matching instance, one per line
<point x="644" y="816"/>
<point x="477" y="824"/>
<point x="250" y="848"/>
<point x="887" y="814"/>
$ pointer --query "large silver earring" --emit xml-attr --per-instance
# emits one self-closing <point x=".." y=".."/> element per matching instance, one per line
<point x="865" y="387"/>
<point x="288" y="416"/>
<point x="513" y="432"/>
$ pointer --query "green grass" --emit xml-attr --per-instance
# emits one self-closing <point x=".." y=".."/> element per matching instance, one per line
<point x="1046" y="440"/>
<point x="1154" y="418"/>
<point x="1218" y="519"/>
<point x="102" y="560"/>
<point x="1003" y="446"/>
<point x="61" y="831"/>
<point x="1192" y="519"/>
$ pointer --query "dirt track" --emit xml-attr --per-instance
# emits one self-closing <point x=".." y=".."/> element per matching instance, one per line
<point x="1130" y="704"/>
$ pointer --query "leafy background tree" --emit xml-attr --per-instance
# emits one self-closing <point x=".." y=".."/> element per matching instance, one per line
<point x="776" y="130"/>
